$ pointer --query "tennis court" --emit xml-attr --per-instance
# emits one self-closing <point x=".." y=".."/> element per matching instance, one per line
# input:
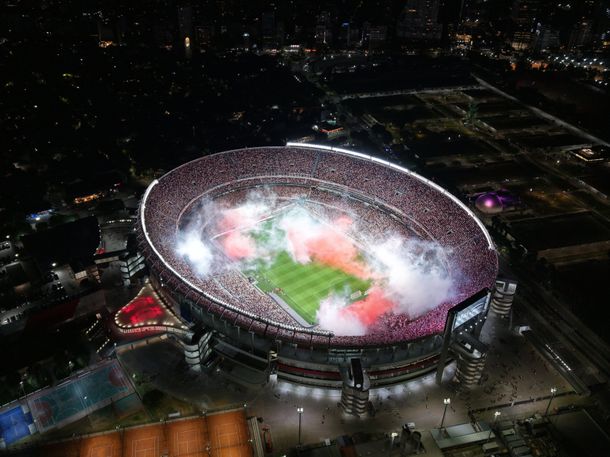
<point x="147" y="441"/>
<point x="15" y="424"/>
<point x="215" y="435"/>
<point x="188" y="437"/>
<point x="229" y="435"/>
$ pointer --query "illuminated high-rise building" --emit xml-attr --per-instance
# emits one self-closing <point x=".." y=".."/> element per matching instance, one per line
<point x="524" y="22"/>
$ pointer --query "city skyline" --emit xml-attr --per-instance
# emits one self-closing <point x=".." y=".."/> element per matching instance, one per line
<point x="304" y="228"/>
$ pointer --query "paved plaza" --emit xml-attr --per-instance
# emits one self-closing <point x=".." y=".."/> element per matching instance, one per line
<point x="516" y="374"/>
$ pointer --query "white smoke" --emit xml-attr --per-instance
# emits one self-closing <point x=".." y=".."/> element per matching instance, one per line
<point x="417" y="280"/>
<point x="198" y="254"/>
<point x="298" y="221"/>
<point x="410" y="276"/>
<point x="331" y="315"/>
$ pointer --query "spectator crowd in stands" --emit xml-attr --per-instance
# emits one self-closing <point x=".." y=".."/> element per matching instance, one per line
<point x="377" y="197"/>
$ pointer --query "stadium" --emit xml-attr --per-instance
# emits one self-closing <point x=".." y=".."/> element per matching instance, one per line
<point x="298" y="260"/>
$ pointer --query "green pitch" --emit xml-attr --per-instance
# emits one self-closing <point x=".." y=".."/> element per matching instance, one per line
<point x="302" y="286"/>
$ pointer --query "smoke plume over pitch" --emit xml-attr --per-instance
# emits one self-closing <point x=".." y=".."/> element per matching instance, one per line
<point x="408" y="275"/>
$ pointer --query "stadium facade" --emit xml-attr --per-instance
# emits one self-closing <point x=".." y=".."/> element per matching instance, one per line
<point x="254" y="340"/>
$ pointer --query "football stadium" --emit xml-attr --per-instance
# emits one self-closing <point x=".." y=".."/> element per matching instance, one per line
<point x="302" y="260"/>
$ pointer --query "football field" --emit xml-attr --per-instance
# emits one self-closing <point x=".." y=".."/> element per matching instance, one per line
<point x="302" y="286"/>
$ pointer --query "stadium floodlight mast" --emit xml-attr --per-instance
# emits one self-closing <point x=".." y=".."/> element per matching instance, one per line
<point x="300" y="413"/>
<point x="446" y="402"/>
<point x="553" y="392"/>
<point x="496" y="415"/>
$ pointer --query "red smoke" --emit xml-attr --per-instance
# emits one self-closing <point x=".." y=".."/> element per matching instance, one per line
<point x="233" y="218"/>
<point x="329" y="247"/>
<point x="371" y="307"/>
<point x="238" y="245"/>
<point x="326" y="244"/>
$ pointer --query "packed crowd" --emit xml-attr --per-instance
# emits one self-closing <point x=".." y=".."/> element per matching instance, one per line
<point x="379" y="197"/>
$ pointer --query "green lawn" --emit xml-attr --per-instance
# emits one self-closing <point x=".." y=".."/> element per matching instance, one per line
<point x="304" y="285"/>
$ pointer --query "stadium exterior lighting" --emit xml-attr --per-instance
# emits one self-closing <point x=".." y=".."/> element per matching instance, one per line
<point x="300" y="413"/>
<point x="446" y="402"/>
<point x="496" y="415"/>
<point x="548" y="406"/>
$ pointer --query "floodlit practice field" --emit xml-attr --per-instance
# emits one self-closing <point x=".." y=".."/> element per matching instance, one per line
<point x="304" y="285"/>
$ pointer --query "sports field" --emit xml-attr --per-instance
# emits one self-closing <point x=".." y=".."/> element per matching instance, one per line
<point x="216" y="435"/>
<point x="303" y="285"/>
<point x="80" y="395"/>
<point x="15" y="424"/>
<point x="297" y="256"/>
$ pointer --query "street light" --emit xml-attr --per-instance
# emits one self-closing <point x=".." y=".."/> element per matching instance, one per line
<point x="300" y="412"/>
<point x="496" y="415"/>
<point x="553" y="392"/>
<point x="393" y="436"/>
<point x="447" y="402"/>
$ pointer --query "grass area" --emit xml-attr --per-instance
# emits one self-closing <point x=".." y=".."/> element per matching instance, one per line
<point x="302" y="286"/>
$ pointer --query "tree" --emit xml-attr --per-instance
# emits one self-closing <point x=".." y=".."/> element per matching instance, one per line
<point x="152" y="399"/>
<point x="471" y="115"/>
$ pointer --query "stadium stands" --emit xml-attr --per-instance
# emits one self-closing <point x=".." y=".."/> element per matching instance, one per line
<point x="381" y="197"/>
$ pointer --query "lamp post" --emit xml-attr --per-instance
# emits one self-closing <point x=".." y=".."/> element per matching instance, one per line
<point x="553" y="392"/>
<point x="393" y="436"/>
<point x="300" y="412"/>
<point x="447" y="402"/>
<point x="496" y="415"/>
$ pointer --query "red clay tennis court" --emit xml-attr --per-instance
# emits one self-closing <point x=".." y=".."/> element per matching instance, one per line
<point x="215" y="435"/>
<point x="146" y="441"/>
